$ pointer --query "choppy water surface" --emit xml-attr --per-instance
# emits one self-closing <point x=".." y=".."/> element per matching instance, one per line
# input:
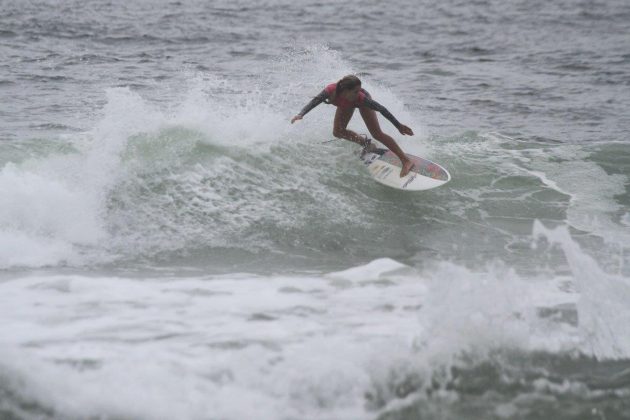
<point x="171" y="247"/>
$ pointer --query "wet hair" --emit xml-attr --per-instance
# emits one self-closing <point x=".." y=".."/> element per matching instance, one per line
<point x="347" y="82"/>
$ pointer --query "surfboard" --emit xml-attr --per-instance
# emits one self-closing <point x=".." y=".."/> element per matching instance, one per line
<point x="384" y="166"/>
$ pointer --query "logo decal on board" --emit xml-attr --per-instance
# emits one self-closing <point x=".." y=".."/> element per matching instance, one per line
<point x="411" y="178"/>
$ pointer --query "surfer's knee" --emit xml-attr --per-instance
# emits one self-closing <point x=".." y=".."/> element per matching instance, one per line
<point x="338" y="133"/>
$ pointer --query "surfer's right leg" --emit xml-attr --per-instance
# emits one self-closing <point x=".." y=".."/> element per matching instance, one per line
<point x="371" y="121"/>
<point x="342" y="118"/>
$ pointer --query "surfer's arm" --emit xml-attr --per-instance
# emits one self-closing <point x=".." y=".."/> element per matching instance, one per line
<point x="321" y="97"/>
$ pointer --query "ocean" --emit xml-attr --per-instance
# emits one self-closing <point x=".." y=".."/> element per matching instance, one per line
<point x="171" y="247"/>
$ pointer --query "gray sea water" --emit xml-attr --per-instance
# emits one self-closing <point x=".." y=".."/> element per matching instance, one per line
<point x="171" y="247"/>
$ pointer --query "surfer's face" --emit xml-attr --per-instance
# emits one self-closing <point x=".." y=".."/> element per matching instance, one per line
<point x="351" y="94"/>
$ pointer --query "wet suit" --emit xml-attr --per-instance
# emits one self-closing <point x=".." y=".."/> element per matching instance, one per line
<point x="363" y="99"/>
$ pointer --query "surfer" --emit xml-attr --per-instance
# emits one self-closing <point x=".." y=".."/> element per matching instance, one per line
<point x="347" y="95"/>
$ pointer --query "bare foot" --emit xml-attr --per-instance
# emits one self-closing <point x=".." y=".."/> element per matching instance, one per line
<point x="407" y="166"/>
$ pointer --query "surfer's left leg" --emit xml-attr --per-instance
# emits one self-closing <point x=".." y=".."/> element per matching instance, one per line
<point x="371" y="121"/>
<point x="342" y="118"/>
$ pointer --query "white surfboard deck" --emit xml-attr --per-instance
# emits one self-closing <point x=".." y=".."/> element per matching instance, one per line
<point x="384" y="166"/>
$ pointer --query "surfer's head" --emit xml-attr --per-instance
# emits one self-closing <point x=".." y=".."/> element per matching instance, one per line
<point x="349" y="86"/>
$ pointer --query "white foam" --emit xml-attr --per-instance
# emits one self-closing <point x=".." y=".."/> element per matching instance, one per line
<point x="371" y="271"/>
<point x="43" y="216"/>
<point x="548" y="182"/>
<point x="243" y="346"/>
<point x="21" y="250"/>
<point x="300" y="364"/>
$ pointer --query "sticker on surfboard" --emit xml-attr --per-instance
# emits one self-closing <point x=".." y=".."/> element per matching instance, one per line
<point x="384" y="166"/>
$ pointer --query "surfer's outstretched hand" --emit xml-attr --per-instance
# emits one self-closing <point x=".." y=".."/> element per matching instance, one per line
<point x="405" y="130"/>
<point x="294" y="119"/>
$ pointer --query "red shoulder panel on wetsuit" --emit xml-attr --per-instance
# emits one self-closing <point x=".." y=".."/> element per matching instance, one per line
<point x="361" y="98"/>
<point x="342" y="102"/>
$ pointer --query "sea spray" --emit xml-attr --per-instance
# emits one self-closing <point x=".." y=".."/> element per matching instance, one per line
<point x="603" y="314"/>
